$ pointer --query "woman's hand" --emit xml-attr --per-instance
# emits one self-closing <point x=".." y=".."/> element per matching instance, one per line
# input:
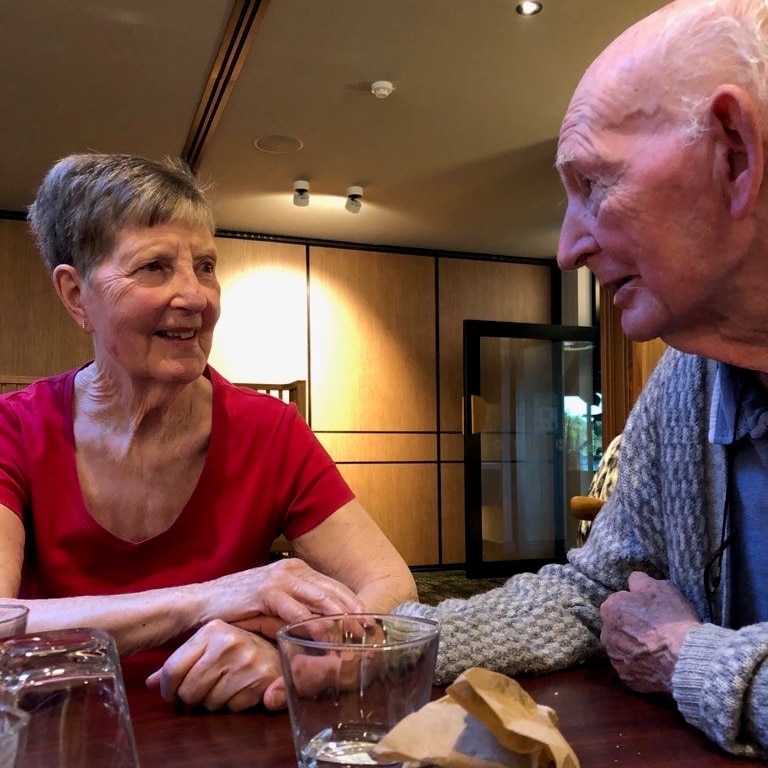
<point x="222" y="667"/>
<point x="287" y="590"/>
<point x="643" y="631"/>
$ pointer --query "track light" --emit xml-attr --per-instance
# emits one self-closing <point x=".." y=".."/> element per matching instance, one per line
<point x="353" y="204"/>
<point x="301" y="193"/>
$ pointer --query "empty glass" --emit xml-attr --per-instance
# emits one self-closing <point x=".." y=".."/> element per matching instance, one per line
<point x="70" y="683"/>
<point x="13" y="619"/>
<point x="350" y="678"/>
<point x="13" y="721"/>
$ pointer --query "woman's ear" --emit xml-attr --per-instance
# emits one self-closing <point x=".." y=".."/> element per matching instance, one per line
<point x="68" y="285"/>
<point x="735" y="122"/>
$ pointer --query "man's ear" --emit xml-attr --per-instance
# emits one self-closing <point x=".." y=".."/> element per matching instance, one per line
<point x="735" y="122"/>
<point x="68" y="285"/>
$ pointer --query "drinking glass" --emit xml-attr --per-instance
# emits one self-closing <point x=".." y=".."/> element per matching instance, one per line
<point x="13" y="619"/>
<point x="70" y="683"/>
<point x="350" y="678"/>
<point x="13" y="722"/>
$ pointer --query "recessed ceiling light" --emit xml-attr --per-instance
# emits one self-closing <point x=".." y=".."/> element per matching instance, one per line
<point x="528" y="8"/>
<point x="278" y="145"/>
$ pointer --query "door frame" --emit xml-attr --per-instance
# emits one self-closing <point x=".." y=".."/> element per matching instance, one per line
<point x="473" y="331"/>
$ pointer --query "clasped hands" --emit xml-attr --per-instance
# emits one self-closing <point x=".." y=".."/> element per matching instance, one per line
<point x="231" y="662"/>
<point x="643" y="631"/>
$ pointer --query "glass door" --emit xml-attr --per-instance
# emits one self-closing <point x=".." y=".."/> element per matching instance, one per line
<point x="532" y="439"/>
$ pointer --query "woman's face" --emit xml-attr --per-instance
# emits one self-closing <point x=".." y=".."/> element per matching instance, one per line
<point x="153" y="303"/>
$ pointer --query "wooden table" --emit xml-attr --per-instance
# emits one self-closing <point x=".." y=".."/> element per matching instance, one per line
<point x="606" y="724"/>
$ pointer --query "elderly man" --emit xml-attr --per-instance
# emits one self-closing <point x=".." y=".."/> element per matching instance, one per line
<point x="662" y="157"/>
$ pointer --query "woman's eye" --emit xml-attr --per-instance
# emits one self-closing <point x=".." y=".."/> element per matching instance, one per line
<point x="153" y="266"/>
<point x="209" y="267"/>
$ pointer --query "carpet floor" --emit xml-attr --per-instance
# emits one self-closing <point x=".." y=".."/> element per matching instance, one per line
<point x="435" y="586"/>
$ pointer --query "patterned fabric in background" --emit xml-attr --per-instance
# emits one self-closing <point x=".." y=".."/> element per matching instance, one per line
<point x="603" y="482"/>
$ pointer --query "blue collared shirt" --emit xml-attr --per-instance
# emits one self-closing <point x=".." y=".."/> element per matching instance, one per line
<point x="739" y="419"/>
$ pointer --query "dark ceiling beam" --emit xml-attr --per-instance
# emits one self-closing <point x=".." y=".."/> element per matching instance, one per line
<point x="244" y="21"/>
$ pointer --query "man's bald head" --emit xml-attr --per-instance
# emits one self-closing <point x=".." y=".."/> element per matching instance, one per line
<point x="676" y="57"/>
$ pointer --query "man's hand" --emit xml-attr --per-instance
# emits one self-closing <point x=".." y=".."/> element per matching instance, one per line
<point x="644" y="630"/>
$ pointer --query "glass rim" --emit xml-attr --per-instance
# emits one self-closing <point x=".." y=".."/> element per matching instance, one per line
<point x="17" y="609"/>
<point x="429" y="628"/>
<point x="60" y="640"/>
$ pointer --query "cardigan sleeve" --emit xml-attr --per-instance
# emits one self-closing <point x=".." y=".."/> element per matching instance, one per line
<point x="720" y="685"/>
<point x="537" y="623"/>
<point x="656" y="521"/>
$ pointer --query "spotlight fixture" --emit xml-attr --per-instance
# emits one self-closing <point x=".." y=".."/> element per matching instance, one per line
<point x="301" y="193"/>
<point x="528" y="8"/>
<point x="353" y="204"/>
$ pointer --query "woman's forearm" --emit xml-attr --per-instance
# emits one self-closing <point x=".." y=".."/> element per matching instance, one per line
<point x="385" y="594"/>
<point x="137" y="620"/>
<point x="288" y="590"/>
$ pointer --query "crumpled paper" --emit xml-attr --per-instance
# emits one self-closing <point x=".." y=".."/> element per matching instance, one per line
<point x="485" y="720"/>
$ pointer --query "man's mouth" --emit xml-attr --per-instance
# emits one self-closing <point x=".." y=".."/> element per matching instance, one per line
<point x="616" y="285"/>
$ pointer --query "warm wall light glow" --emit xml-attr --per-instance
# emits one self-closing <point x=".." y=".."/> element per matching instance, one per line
<point x="262" y="333"/>
<point x="361" y="369"/>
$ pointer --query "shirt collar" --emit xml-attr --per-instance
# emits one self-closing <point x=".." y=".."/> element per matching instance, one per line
<point x="736" y="396"/>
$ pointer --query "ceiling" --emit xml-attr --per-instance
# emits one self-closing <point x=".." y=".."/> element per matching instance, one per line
<point x="459" y="157"/>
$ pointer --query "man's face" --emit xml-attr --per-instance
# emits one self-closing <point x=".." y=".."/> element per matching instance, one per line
<point x="644" y="212"/>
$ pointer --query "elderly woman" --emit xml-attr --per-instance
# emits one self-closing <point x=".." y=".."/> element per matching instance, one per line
<point x="141" y="492"/>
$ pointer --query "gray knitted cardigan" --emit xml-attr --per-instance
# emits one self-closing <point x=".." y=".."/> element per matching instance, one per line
<point x="663" y="518"/>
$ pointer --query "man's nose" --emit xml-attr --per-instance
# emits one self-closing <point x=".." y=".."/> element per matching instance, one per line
<point x="577" y="243"/>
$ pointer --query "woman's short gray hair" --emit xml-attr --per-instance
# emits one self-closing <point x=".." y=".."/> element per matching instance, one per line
<point x="86" y="199"/>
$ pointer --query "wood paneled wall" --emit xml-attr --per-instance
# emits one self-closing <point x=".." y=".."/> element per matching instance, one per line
<point x="373" y="386"/>
<point x="37" y="336"/>
<point x="377" y="336"/>
<point x="372" y="341"/>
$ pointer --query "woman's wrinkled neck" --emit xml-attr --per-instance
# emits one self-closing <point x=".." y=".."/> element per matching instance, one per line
<point x="138" y="407"/>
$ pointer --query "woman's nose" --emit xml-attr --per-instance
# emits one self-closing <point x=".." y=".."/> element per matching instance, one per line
<point x="577" y="243"/>
<point x="188" y="291"/>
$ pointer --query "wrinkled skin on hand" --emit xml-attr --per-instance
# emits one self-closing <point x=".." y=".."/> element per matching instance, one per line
<point x="288" y="589"/>
<point x="643" y="631"/>
<point x="232" y="664"/>
<point x="222" y="667"/>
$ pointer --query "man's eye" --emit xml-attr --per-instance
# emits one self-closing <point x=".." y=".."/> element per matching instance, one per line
<point x="153" y="266"/>
<point x="207" y="266"/>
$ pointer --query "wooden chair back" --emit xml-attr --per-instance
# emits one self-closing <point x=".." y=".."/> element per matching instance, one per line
<point x="9" y="383"/>
<point x="293" y="392"/>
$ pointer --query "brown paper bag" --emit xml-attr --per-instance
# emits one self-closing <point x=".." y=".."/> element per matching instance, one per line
<point x="486" y="721"/>
<point x="513" y="717"/>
